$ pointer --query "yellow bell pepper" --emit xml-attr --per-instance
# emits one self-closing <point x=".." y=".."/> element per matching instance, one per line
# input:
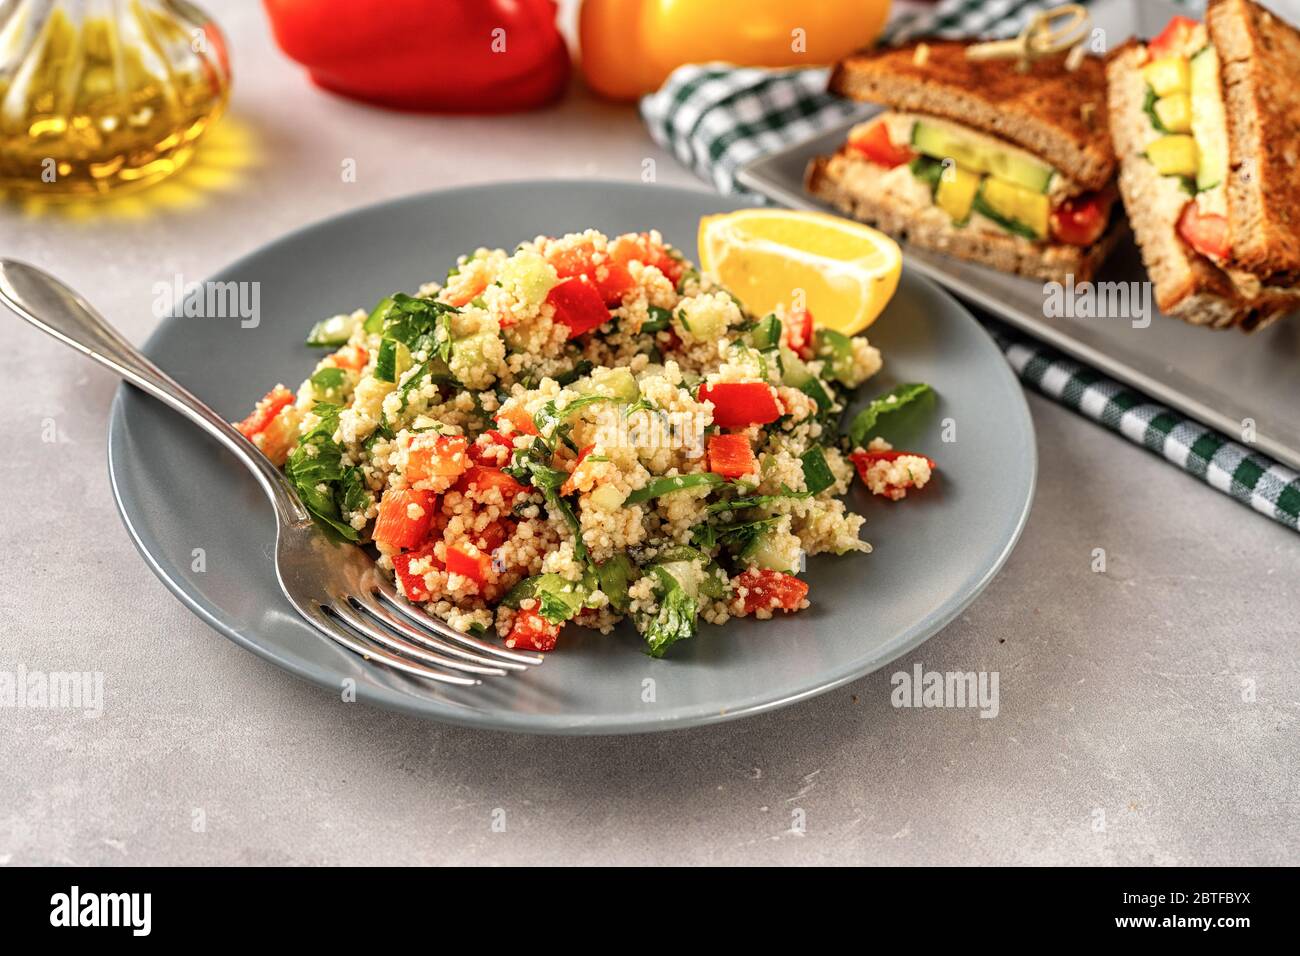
<point x="628" y="47"/>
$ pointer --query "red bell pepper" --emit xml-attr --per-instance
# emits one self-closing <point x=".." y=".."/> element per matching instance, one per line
<point x="404" y="518"/>
<point x="265" y="411"/>
<point x="770" y="590"/>
<point x="532" y="632"/>
<point x="483" y="478"/>
<point x="639" y="247"/>
<point x="798" y="328"/>
<point x="578" y="305"/>
<point x="442" y="456"/>
<point x="517" y="417"/>
<point x="570" y="484"/>
<point x="468" y="561"/>
<point x="730" y="456"/>
<point x="492" y="449"/>
<point x="413" y="584"/>
<point x="454" y="56"/>
<point x="741" y="404"/>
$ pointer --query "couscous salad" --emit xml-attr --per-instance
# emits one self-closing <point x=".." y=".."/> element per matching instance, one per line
<point x="583" y="430"/>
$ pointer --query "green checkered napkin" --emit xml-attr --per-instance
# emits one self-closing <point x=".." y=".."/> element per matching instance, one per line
<point x="715" y="118"/>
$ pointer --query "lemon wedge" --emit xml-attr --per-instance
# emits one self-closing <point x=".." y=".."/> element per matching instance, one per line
<point x="843" y="272"/>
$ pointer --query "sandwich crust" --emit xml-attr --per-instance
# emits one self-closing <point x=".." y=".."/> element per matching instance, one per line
<point x="1056" y="113"/>
<point x="1259" y="60"/>
<point x="846" y="183"/>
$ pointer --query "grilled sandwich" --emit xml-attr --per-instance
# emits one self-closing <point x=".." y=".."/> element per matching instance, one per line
<point x="1206" y="124"/>
<point x="980" y="159"/>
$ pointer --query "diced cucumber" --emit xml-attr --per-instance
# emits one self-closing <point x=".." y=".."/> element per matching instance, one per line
<point x="1018" y="205"/>
<point x="333" y="332"/>
<point x="1208" y="122"/>
<point x="1174" y="155"/>
<point x="956" y="193"/>
<point x="770" y="550"/>
<point x="703" y="325"/>
<point x="616" y="383"/>
<point x="375" y="321"/>
<point x="528" y="276"/>
<point x="471" y="353"/>
<point x="607" y="498"/>
<point x="766" y="333"/>
<point x="942" y="141"/>
<point x="328" y="384"/>
<point x="1167" y="75"/>
<point x="793" y="370"/>
<point x="692" y="570"/>
<point x="836" y="350"/>
<point x="393" y="359"/>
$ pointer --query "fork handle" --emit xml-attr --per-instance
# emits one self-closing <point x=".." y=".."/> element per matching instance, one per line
<point x="52" y="307"/>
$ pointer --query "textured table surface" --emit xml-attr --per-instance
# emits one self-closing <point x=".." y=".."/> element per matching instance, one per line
<point x="1147" y="714"/>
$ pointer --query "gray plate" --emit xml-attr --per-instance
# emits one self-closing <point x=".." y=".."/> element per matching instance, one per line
<point x="178" y="491"/>
<point x="1220" y="378"/>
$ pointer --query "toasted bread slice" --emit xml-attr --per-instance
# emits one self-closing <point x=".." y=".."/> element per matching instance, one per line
<point x="1056" y="113"/>
<point x="1259" y="58"/>
<point x="855" y="187"/>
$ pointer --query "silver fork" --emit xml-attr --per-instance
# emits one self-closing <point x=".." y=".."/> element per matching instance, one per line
<point x="334" y="585"/>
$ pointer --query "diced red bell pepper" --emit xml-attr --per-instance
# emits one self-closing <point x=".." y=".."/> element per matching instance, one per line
<point x="569" y="486"/>
<point x="491" y="448"/>
<point x="1206" y="233"/>
<point x="1173" y="39"/>
<point x="772" y="590"/>
<point x="468" y="291"/>
<point x="639" y="247"/>
<point x="610" y="277"/>
<point x="863" y="458"/>
<point x="798" y="328"/>
<point x="264" y="412"/>
<point x="412" y="585"/>
<point x="612" y="281"/>
<point x="483" y="478"/>
<point x="731" y="456"/>
<point x="468" y="561"/>
<point x="519" y="418"/>
<point x="741" y="404"/>
<point x="494" y="535"/>
<point x="578" y="305"/>
<point x="352" y="357"/>
<point x="440" y="456"/>
<point x="573" y="258"/>
<point x="875" y="144"/>
<point x="404" y="518"/>
<point x="532" y="632"/>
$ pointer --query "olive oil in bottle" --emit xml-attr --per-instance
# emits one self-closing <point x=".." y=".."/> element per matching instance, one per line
<point x="100" y="95"/>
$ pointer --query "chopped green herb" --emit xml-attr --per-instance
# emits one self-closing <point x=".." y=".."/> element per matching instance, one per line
<point x="817" y="475"/>
<point x="664" y="486"/>
<point x="865" y="421"/>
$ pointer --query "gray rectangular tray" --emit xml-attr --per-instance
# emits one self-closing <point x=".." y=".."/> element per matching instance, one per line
<point x="1221" y="378"/>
